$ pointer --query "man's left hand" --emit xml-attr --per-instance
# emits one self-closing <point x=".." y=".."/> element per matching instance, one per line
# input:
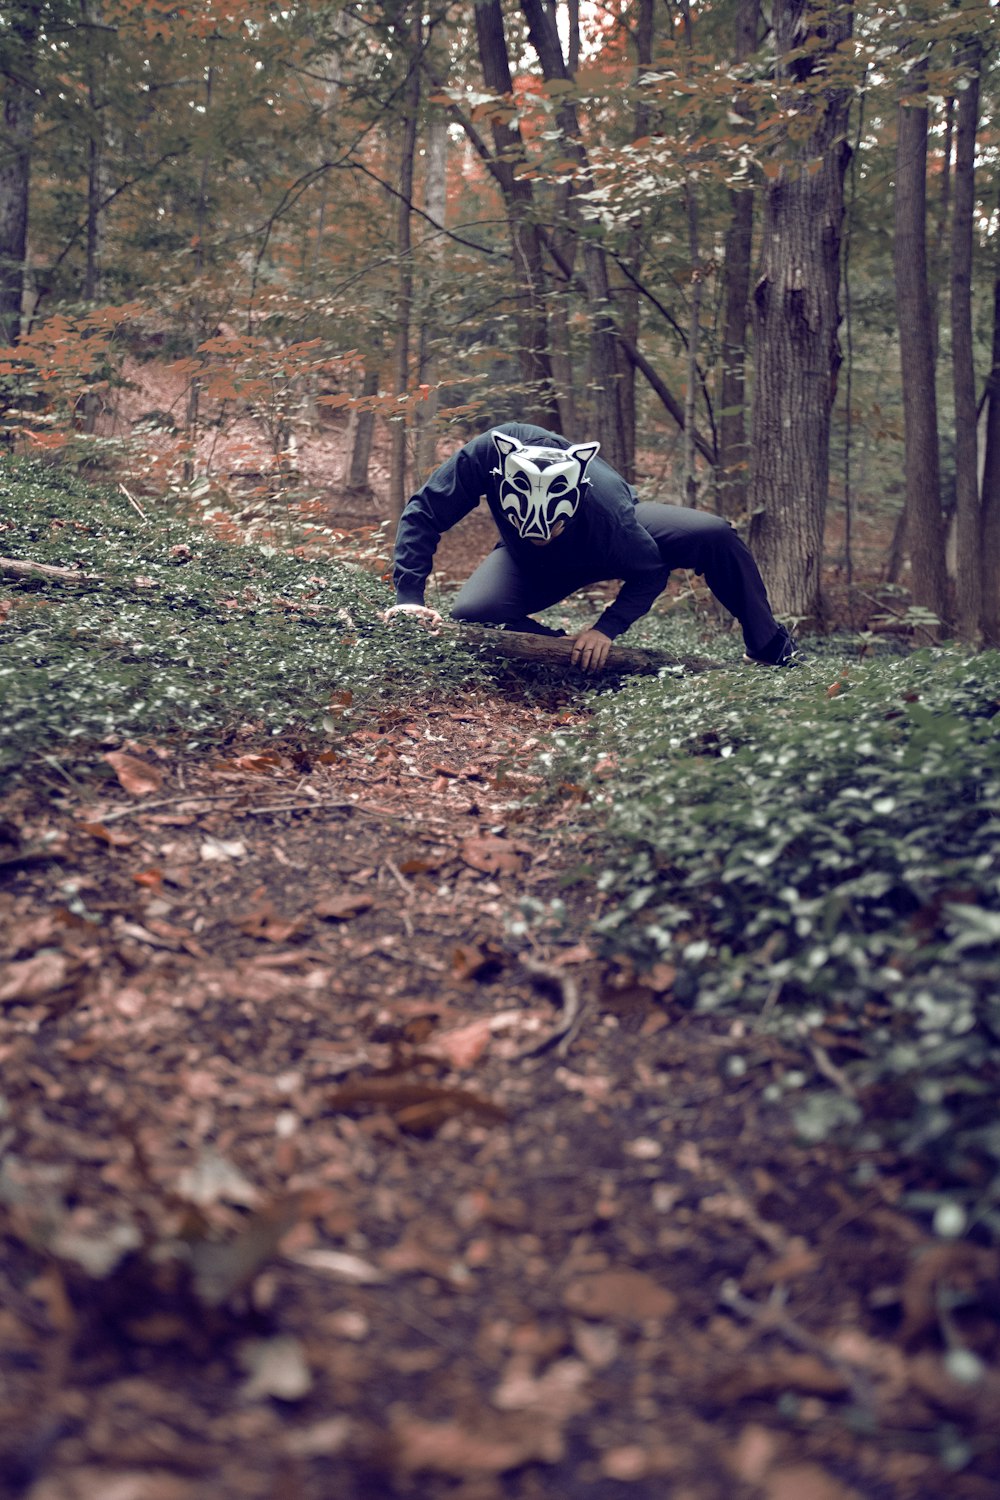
<point x="590" y="650"/>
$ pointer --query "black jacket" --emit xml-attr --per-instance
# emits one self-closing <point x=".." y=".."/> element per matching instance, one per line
<point x="602" y="540"/>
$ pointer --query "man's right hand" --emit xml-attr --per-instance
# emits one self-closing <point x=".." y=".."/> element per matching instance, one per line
<point x="421" y="612"/>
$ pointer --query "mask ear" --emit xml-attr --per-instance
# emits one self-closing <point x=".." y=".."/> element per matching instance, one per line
<point x="583" y="453"/>
<point x="505" y="444"/>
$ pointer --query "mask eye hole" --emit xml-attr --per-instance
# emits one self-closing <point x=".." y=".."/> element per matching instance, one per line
<point x="558" y="487"/>
<point x="521" y="482"/>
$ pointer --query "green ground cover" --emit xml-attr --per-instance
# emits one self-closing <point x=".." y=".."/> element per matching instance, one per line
<point x="818" y="851"/>
<point x="211" y="636"/>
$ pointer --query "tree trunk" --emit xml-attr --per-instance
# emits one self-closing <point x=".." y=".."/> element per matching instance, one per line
<point x="360" y="431"/>
<point x="643" y="35"/>
<point x="732" y="471"/>
<point x="541" y="404"/>
<point x="795" y="317"/>
<point x="404" y="283"/>
<point x="18" y="62"/>
<point x="990" y="515"/>
<point x="435" y="206"/>
<point x="694" y="301"/>
<point x="968" y="578"/>
<point x="607" y="361"/>
<point x="921" y="465"/>
<point x="937" y="254"/>
<point x="198" y="300"/>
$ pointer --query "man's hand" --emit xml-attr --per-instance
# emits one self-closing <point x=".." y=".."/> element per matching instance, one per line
<point x="590" y="650"/>
<point x="421" y="612"/>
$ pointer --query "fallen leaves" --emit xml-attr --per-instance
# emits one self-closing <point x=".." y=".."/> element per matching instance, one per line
<point x="46" y="974"/>
<point x="494" y="855"/>
<point x="496" y="1445"/>
<point x="418" y="1108"/>
<point x="621" y="1295"/>
<point x="267" y="926"/>
<point x="343" y="908"/>
<point x="526" y="1256"/>
<point x="136" y="776"/>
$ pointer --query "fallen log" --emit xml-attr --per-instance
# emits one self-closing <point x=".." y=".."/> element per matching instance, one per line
<point x="18" y="568"/>
<point x="556" y="650"/>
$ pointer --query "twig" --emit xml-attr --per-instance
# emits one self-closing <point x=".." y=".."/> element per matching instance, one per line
<point x="563" y="1034"/>
<point x="141" y="807"/>
<point x="772" y="1318"/>
<point x="134" y="503"/>
<point x="897" y="614"/>
<point x="369" y="812"/>
<point x="829" y="1070"/>
<point x="407" y="890"/>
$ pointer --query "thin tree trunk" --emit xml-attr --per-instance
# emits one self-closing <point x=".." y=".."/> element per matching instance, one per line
<point x="536" y="367"/>
<point x="96" y="194"/>
<point x="627" y="298"/>
<point x="607" y="362"/>
<point x="937" y="254"/>
<point x="360" y="431"/>
<point x="968" y="578"/>
<point x="795" y="316"/>
<point x="197" y="301"/>
<point x="849" y="341"/>
<point x="921" y="464"/>
<point x="435" y="206"/>
<point x="18" y="64"/>
<point x="989" y="551"/>
<point x="404" y="284"/>
<point x="695" y="297"/>
<point x="732" y="471"/>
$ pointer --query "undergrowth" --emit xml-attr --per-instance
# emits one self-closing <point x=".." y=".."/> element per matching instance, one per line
<point x="182" y="633"/>
<point x="819" y="850"/>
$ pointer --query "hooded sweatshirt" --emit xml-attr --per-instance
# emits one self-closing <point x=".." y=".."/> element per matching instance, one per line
<point x="602" y="540"/>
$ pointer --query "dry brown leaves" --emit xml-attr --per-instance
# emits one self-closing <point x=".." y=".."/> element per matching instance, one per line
<point x="296" y="1202"/>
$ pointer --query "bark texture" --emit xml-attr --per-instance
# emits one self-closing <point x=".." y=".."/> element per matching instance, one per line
<point x="921" y="464"/>
<point x="533" y="341"/>
<point x="968" y="578"/>
<point x="404" y="283"/>
<point x="795" y="309"/>
<point x="732" y="471"/>
<point x="990" y="516"/>
<point x="606" y="359"/>
<point x="17" y="73"/>
<point x="555" y="651"/>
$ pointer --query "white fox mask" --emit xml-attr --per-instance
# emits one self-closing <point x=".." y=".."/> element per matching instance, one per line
<point x="538" y="485"/>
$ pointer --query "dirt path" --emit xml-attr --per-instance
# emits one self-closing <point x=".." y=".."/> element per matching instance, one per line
<point x="323" y="1180"/>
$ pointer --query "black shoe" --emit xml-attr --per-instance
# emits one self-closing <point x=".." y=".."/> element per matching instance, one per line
<point x="780" y="651"/>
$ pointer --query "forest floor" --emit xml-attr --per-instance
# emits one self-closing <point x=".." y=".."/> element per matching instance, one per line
<point x="318" y="1200"/>
<point x="324" y="1178"/>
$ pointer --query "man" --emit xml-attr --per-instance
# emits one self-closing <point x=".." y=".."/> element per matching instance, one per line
<point x="566" y="519"/>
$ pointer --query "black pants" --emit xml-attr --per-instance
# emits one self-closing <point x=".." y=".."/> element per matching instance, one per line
<point x="501" y="593"/>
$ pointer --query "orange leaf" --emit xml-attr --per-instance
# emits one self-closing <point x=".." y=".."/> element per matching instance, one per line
<point x="340" y="908"/>
<point x="134" y="774"/>
<point x="108" y="835"/>
<point x="620" y="1294"/>
<point x="470" y="961"/>
<point x="492" y="855"/>
<point x="268" y="926"/>
<point x="463" y="1046"/>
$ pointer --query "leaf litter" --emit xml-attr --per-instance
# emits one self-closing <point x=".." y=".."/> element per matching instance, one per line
<point x="321" y="1177"/>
